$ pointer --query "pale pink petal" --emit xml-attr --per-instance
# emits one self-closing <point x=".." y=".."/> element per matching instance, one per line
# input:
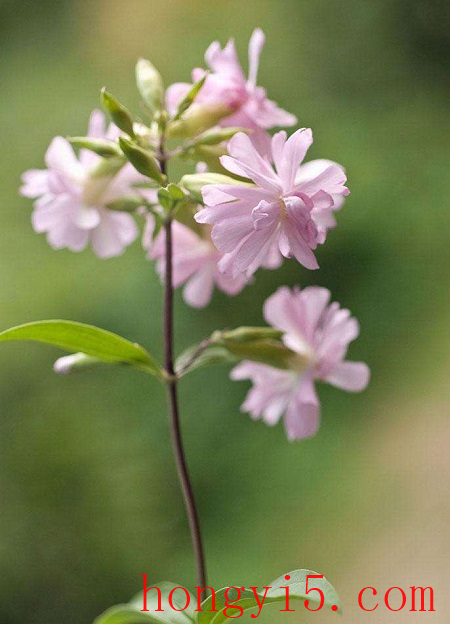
<point x="61" y="158"/>
<point x="293" y="154"/>
<point x="230" y="210"/>
<point x="299" y="248"/>
<point x="278" y="142"/>
<point x="224" y="61"/>
<point x="115" y="232"/>
<point x="229" y="233"/>
<point x="64" y="234"/>
<point x="174" y="94"/>
<point x="255" y="48"/>
<point x="241" y="148"/>
<point x="321" y="175"/>
<point x="302" y="417"/>
<point x="97" y="126"/>
<point x="350" y="376"/>
<point x="86" y="217"/>
<point x="35" y="183"/>
<point x="199" y="288"/>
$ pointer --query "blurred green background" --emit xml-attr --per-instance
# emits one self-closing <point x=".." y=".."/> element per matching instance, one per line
<point x="89" y="495"/>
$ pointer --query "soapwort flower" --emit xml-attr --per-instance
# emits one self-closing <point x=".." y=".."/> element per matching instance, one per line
<point x="288" y="207"/>
<point x="320" y="333"/>
<point x="243" y="103"/>
<point x="72" y="197"/>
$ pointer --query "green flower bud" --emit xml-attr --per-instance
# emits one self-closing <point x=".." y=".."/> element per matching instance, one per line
<point x="102" y="147"/>
<point x="197" y="119"/>
<point x="126" y="204"/>
<point x="75" y="363"/>
<point x="120" y="115"/>
<point x="216" y="136"/>
<point x="142" y="160"/>
<point x="150" y="85"/>
<point x="260" y="344"/>
<point x="196" y="181"/>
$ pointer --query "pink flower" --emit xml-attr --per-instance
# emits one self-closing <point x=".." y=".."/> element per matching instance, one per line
<point x="71" y="203"/>
<point x="289" y="208"/>
<point x="227" y="85"/>
<point x="194" y="263"/>
<point x="320" y="333"/>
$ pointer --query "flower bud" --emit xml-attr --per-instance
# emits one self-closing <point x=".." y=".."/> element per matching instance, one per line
<point x="102" y="147"/>
<point x="214" y="136"/>
<point x="120" y="115"/>
<point x="126" y="204"/>
<point x="141" y="159"/>
<point x="249" y="334"/>
<point x="197" y="119"/>
<point x="194" y="182"/>
<point x="150" y="85"/>
<point x="261" y="344"/>
<point x="74" y="363"/>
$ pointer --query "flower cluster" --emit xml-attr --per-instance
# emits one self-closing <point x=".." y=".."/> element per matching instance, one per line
<point x="271" y="206"/>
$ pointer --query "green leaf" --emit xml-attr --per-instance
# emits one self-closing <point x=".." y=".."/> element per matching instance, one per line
<point x="124" y="614"/>
<point x="102" y="147"/>
<point x="276" y="593"/>
<point x="120" y="115"/>
<point x="179" y="599"/>
<point x="132" y="613"/>
<point x="141" y="159"/>
<point x="72" y="336"/>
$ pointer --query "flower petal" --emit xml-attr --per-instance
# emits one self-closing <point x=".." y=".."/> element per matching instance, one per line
<point x="255" y="48"/>
<point x="350" y="376"/>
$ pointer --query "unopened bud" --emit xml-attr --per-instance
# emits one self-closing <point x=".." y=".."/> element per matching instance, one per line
<point x="215" y="136"/>
<point x="263" y="345"/>
<point x="197" y="119"/>
<point x="126" y="204"/>
<point x="150" y="85"/>
<point x="141" y="159"/>
<point x="74" y="363"/>
<point x="120" y="115"/>
<point x="194" y="182"/>
<point x="102" y="147"/>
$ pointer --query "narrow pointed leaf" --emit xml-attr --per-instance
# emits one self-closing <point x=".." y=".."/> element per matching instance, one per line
<point x="189" y="98"/>
<point x="79" y="337"/>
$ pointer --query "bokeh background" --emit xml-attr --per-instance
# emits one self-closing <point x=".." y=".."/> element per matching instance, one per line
<point x="89" y="495"/>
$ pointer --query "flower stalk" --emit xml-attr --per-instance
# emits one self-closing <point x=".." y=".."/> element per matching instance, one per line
<point x="172" y="397"/>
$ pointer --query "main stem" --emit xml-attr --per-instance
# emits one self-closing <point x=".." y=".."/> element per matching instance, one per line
<point x="172" y="398"/>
